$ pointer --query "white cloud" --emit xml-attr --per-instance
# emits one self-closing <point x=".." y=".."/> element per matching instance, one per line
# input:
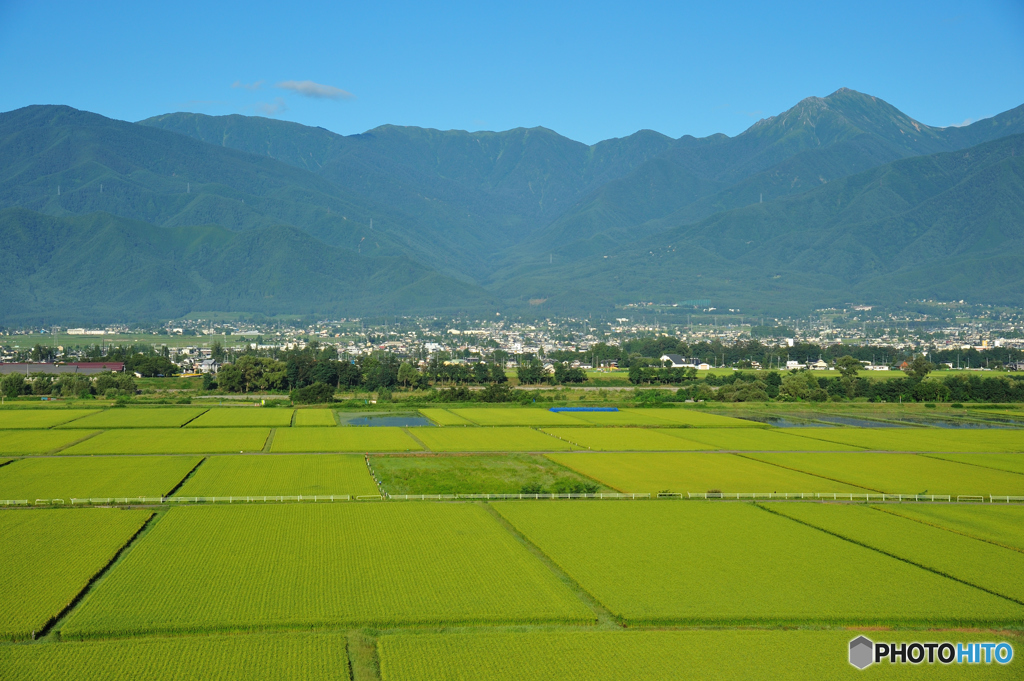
<point x="274" y="108"/>
<point x="247" y="86"/>
<point x="308" y="88"/>
<point x="967" y="121"/>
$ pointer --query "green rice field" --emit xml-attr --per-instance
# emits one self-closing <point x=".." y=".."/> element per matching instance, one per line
<point x="39" y="418"/>
<point x="49" y="556"/>
<point x="239" y="417"/>
<point x="173" y="441"/>
<point x="341" y="439"/>
<point x="307" y="656"/>
<point x="623" y="417"/>
<point x="38" y="441"/>
<point x="339" y="564"/>
<point x="94" y="476"/>
<point x="489" y="440"/>
<point x="526" y="416"/>
<point x="684" y="472"/>
<point x="754" y="439"/>
<point x="993" y="568"/>
<point x="271" y="475"/>
<point x="1004" y="461"/>
<point x="315" y="417"/>
<point x="736" y="655"/>
<point x="624" y="439"/>
<point x="137" y="418"/>
<point x="921" y="439"/>
<point x="895" y="473"/>
<point x="693" y="563"/>
<point x="694" y="418"/>
<point x="999" y="524"/>
<point x="443" y="417"/>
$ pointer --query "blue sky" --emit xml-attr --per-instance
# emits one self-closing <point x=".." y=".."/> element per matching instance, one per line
<point x="588" y="70"/>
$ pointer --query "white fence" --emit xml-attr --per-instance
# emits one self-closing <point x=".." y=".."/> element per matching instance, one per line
<point x="567" y="495"/>
<point x="833" y="496"/>
<point x="320" y="498"/>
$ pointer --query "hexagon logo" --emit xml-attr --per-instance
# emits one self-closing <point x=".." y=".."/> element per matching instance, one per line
<point x="861" y="652"/>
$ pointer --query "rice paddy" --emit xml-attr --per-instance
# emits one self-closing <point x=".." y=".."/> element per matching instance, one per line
<point x="736" y="655"/>
<point x="443" y="417"/>
<point x="895" y="473"/>
<point x="337" y="564"/>
<point x="38" y="441"/>
<point x="315" y="417"/>
<point x="978" y="563"/>
<point x="525" y="416"/>
<point x="921" y="439"/>
<point x="684" y="472"/>
<point x="489" y="440"/>
<point x="999" y="524"/>
<point x="173" y="441"/>
<point x="270" y="475"/>
<point x="755" y="439"/>
<point x="242" y="417"/>
<point x="39" y="418"/>
<point x="624" y="439"/>
<point x="48" y="558"/>
<point x="382" y="439"/>
<point x="137" y="418"/>
<point x="307" y="656"/>
<point x="722" y="563"/>
<point x="88" y="477"/>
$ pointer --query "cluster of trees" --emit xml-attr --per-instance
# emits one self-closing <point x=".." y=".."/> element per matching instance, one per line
<point x="314" y="373"/>
<point x="533" y="372"/>
<point x="915" y="386"/>
<point x="647" y="352"/>
<point x="107" y="384"/>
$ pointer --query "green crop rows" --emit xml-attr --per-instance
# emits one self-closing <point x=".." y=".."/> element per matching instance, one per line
<point x="692" y="472"/>
<point x="374" y="564"/>
<point x="137" y="418"/>
<point x="921" y="439"/>
<point x="39" y="418"/>
<point x="307" y="656"/>
<point x="240" y="417"/>
<point x="793" y="655"/>
<point x="443" y="417"/>
<point x="1004" y="461"/>
<point x="896" y="473"/>
<point x="173" y="441"/>
<point x="343" y="439"/>
<point x="700" y="419"/>
<point x="306" y="475"/>
<point x="489" y="440"/>
<point x="37" y="441"/>
<point x="516" y="417"/>
<point x="625" y="439"/>
<point x="975" y="562"/>
<point x="757" y="439"/>
<point x="85" y="477"/>
<point x="1003" y="525"/>
<point x="720" y="563"/>
<point x="315" y="417"/>
<point x="623" y="417"/>
<point x="49" y="556"/>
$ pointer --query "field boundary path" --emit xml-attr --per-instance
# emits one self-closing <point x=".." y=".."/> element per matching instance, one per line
<point x="52" y="624"/>
<point x="418" y="441"/>
<point x="605" y="620"/>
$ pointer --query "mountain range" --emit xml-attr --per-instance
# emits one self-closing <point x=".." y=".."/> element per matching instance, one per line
<point x="839" y="199"/>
